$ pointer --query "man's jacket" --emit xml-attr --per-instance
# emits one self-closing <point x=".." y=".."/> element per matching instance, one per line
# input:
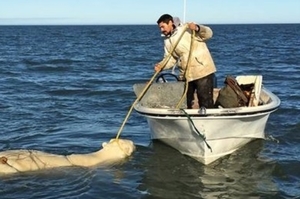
<point x="201" y="63"/>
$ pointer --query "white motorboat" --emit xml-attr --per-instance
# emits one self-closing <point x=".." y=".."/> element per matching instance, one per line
<point x="205" y="134"/>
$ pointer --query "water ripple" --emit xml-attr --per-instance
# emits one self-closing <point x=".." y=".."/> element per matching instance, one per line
<point x="67" y="89"/>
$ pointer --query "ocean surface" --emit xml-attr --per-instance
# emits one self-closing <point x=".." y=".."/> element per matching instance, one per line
<point x="67" y="89"/>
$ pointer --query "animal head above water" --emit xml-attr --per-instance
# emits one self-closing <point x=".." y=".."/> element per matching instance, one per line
<point x="126" y="147"/>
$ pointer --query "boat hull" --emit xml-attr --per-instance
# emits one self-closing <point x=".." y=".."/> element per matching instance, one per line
<point x="224" y="135"/>
<point x="205" y="135"/>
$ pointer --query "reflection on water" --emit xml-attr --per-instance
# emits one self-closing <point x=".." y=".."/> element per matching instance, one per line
<point x="168" y="174"/>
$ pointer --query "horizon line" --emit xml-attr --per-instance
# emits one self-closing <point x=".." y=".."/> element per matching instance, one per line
<point x="141" y="24"/>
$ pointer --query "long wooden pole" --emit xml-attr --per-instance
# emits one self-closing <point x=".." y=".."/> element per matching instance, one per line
<point x="165" y="61"/>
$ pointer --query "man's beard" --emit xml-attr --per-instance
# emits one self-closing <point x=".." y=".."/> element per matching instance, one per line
<point x="166" y="33"/>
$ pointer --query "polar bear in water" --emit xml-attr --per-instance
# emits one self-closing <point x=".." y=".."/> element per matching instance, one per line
<point x="13" y="161"/>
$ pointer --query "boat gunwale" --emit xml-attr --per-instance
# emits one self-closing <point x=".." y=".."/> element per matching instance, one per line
<point x="180" y="115"/>
<point x="214" y="112"/>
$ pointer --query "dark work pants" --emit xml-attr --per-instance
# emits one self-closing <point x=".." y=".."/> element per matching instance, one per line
<point x="204" y="87"/>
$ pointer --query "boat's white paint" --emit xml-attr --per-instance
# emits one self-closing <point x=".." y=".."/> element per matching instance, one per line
<point x="223" y="134"/>
<point x="225" y="129"/>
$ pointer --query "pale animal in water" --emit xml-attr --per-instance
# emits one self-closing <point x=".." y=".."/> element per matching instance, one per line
<point x="13" y="161"/>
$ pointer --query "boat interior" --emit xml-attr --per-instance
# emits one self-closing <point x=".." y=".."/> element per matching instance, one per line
<point x="171" y="94"/>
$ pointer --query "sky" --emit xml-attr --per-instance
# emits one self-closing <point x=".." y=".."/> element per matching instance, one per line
<point x="115" y="12"/>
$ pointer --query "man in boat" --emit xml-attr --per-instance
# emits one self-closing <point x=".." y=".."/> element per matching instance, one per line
<point x="191" y="55"/>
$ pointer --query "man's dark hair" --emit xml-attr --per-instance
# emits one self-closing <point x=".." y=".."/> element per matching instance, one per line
<point x="165" y="18"/>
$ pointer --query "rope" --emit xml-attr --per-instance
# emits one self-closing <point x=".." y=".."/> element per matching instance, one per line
<point x="197" y="132"/>
<point x="150" y="82"/>
<point x="3" y="160"/>
<point x="187" y="70"/>
<point x="122" y="149"/>
<point x="152" y="79"/>
<point x="185" y="91"/>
